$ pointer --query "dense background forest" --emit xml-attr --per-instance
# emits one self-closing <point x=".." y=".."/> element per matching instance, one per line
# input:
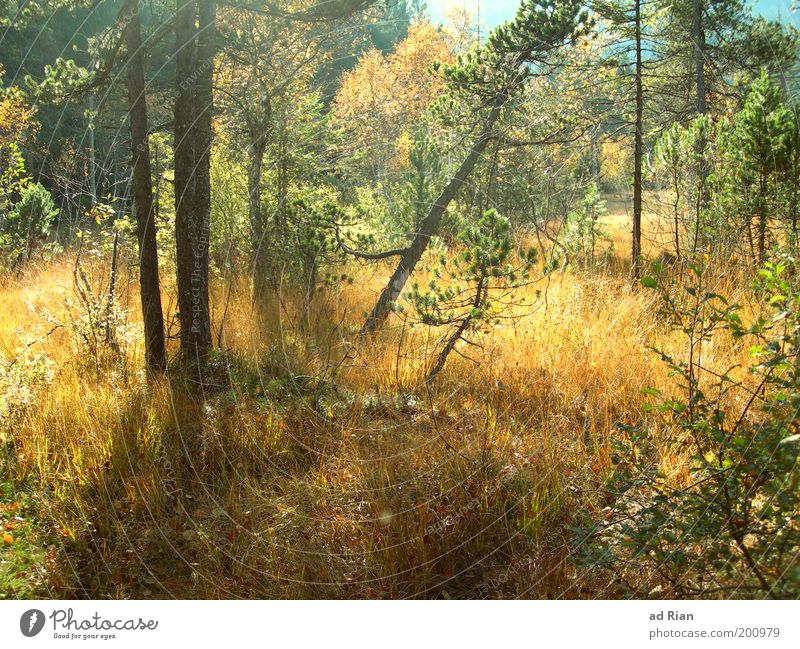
<point x="335" y="299"/>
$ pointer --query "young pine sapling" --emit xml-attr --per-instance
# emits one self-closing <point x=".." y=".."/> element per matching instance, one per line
<point x="475" y="289"/>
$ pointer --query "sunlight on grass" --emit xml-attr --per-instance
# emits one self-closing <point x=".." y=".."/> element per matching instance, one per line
<point x="284" y="478"/>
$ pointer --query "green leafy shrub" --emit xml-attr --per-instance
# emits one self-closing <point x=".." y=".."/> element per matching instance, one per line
<point x="27" y="224"/>
<point x="732" y="528"/>
<point x="583" y="231"/>
<point x="21" y="379"/>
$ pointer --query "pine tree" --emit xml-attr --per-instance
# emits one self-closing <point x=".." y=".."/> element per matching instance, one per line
<point x="761" y="141"/>
<point x="487" y="78"/>
<point x="474" y="289"/>
<point x="150" y="287"/>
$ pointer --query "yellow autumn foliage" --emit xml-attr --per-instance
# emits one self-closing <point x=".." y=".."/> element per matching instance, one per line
<point x="615" y="154"/>
<point x="384" y="94"/>
<point x="16" y="117"/>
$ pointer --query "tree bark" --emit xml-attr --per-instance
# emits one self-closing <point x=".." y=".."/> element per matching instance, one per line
<point x="699" y="39"/>
<point x="149" y="284"/>
<point x="636" y="247"/>
<point x="699" y="56"/>
<point x="192" y="185"/>
<point x="204" y="111"/>
<point x="455" y="336"/>
<point x="793" y="204"/>
<point x="430" y="225"/>
<point x="762" y="219"/>
<point x="676" y="213"/>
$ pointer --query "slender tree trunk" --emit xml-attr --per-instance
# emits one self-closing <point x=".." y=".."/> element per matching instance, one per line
<point x="636" y="246"/>
<point x="793" y="203"/>
<point x="699" y="40"/>
<point x="456" y="336"/>
<point x="676" y="215"/>
<point x="112" y="287"/>
<point x="762" y="219"/>
<point x="310" y="272"/>
<point x="258" y="230"/>
<point x="185" y="17"/>
<point x="282" y="175"/>
<point x="29" y="241"/>
<point x="203" y="136"/>
<point x="92" y="153"/>
<point x="430" y="225"/>
<point x="699" y="56"/>
<point x="149" y="284"/>
<point x="156" y="185"/>
<point x="191" y="181"/>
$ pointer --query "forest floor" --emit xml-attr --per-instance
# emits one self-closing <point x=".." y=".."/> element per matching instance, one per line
<point x="291" y="474"/>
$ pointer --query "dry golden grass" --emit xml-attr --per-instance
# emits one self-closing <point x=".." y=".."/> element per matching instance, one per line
<point x="288" y="474"/>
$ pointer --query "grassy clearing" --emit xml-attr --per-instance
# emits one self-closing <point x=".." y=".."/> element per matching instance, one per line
<point x="280" y="477"/>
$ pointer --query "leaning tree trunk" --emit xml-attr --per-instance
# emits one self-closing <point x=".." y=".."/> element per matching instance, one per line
<point x="456" y="335"/>
<point x="429" y="225"/>
<point x="636" y="247"/>
<point x="149" y="285"/>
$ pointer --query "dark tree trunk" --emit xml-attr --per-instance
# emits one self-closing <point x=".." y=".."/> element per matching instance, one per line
<point x="749" y="234"/>
<point x="149" y="285"/>
<point x="192" y="194"/>
<point x="112" y="287"/>
<point x="699" y="40"/>
<point x="185" y="16"/>
<point x="795" y="176"/>
<point x="429" y="226"/>
<point x="762" y="219"/>
<point x="455" y="336"/>
<point x="283" y="173"/>
<point x="676" y="215"/>
<point x="636" y="247"/>
<point x="204" y="110"/>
